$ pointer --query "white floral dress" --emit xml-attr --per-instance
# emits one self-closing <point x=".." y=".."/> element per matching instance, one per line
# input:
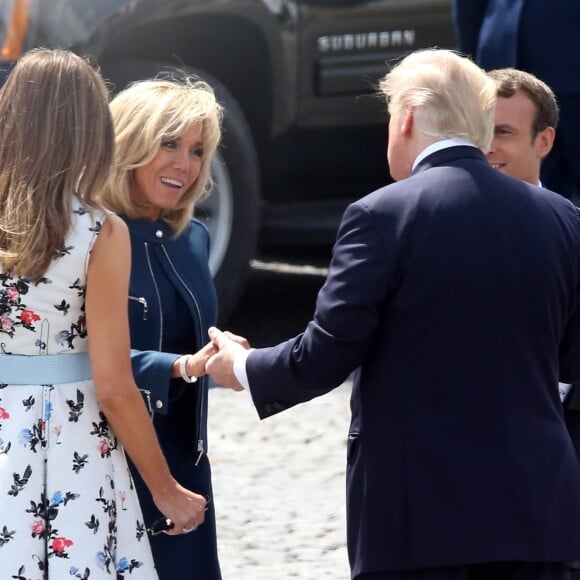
<point x="67" y="504"/>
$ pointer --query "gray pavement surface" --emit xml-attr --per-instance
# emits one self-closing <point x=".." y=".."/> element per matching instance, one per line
<point x="279" y="487"/>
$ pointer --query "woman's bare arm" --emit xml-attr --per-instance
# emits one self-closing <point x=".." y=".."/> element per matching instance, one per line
<point x="118" y="395"/>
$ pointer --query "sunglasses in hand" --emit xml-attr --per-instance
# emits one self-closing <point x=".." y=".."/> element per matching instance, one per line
<point x="165" y="524"/>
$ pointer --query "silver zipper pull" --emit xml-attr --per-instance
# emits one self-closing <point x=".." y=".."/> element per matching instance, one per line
<point x="145" y="307"/>
<point x="147" y="397"/>
<point x="199" y="451"/>
<point x="143" y="302"/>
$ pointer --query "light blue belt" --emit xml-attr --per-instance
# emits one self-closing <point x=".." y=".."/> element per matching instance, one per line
<point x="49" y="369"/>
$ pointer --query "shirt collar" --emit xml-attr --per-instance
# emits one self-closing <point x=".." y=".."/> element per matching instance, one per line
<point x="438" y="146"/>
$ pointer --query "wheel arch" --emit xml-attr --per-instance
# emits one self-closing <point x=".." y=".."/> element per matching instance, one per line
<point x="232" y="49"/>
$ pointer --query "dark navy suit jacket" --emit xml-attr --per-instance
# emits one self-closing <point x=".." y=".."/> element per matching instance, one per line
<point x="453" y="296"/>
<point x="539" y="36"/>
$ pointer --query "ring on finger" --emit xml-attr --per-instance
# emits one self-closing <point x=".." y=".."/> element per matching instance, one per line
<point x="188" y="530"/>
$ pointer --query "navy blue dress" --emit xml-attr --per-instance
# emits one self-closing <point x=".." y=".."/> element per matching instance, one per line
<point x="172" y="303"/>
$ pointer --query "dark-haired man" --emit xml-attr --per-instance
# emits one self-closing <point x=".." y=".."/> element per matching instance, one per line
<point x="526" y="118"/>
<point x="507" y="33"/>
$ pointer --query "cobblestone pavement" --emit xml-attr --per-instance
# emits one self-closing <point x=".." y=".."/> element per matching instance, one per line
<point x="279" y="487"/>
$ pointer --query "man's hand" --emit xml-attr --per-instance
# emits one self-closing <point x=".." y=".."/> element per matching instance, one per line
<point x="220" y="366"/>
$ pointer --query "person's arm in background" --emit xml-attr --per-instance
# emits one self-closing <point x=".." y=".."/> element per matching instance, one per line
<point x="569" y="372"/>
<point x="570" y="360"/>
<point x="468" y="16"/>
<point x="570" y="344"/>
<point x="121" y="401"/>
<point x="570" y="366"/>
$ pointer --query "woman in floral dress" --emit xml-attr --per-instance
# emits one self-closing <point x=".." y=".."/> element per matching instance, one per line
<point x="68" y="508"/>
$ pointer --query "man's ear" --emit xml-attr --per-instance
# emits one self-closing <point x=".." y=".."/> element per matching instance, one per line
<point x="407" y="123"/>
<point x="544" y="141"/>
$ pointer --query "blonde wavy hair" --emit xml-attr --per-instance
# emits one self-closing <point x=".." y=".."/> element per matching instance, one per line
<point x="56" y="140"/>
<point x="146" y="114"/>
<point x="450" y="95"/>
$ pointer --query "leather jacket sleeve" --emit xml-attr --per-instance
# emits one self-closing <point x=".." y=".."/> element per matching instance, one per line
<point x="152" y="372"/>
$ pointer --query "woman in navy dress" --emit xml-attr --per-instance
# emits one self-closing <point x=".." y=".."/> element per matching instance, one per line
<point x="166" y="134"/>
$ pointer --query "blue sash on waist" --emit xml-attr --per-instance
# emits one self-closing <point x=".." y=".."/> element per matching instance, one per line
<point x="49" y="369"/>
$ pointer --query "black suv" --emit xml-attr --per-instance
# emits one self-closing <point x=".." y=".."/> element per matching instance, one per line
<point x="304" y="130"/>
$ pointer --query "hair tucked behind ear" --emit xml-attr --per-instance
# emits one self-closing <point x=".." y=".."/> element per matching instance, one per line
<point x="56" y="140"/>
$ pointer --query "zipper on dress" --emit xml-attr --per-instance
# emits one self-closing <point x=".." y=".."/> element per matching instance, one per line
<point x="199" y="451"/>
<point x="142" y="301"/>
<point x="160" y="345"/>
<point x="201" y="390"/>
<point x="147" y="396"/>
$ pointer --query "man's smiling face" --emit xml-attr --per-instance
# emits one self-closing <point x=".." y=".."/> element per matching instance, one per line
<point x="513" y="150"/>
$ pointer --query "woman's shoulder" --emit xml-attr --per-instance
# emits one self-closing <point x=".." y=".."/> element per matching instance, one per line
<point x="199" y="227"/>
<point x="198" y="233"/>
<point x="93" y="216"/>
<point x="94" y="223"/>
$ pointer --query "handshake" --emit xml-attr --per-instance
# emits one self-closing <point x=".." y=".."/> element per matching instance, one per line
<point x="219" y="355"/>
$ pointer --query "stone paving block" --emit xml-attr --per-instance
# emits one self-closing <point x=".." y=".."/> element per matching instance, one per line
<point x="279" y="487"/>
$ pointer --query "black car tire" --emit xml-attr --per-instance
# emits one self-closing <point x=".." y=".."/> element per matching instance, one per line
<point x="231" y="212"/>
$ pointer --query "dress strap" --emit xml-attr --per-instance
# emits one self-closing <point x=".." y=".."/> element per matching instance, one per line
<point x="50" y="369"/>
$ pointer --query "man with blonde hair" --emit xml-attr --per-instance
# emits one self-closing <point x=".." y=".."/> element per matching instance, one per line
<point x="452" y="296"/>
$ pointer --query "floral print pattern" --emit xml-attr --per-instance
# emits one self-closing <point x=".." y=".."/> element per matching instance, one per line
<point x="68" y="508"/>
<point x="13" y="309"/>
